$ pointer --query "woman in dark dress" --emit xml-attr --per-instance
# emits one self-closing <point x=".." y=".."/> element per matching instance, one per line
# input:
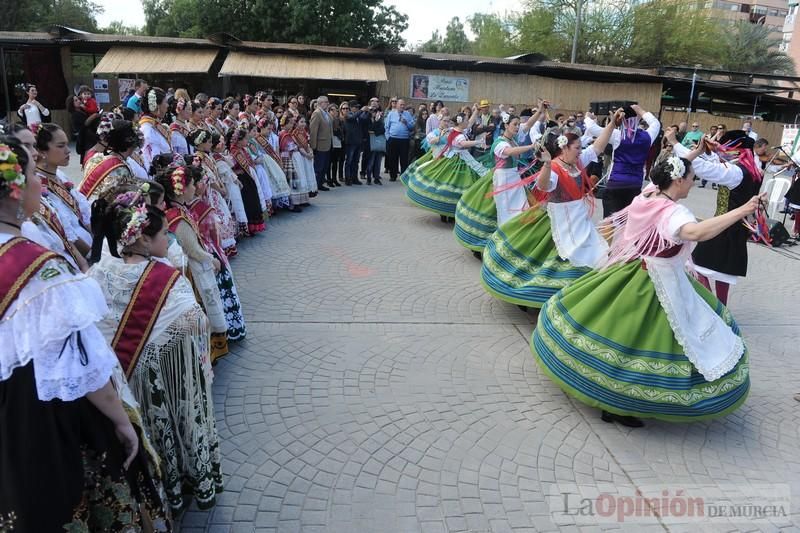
<point x="70" y="458"/>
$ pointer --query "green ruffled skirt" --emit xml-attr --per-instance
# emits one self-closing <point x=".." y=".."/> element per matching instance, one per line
<point x="424" y="158"/>
<point x="438" y="185"/>
<point x="606" y="341"/>
<point x="476" y="215"/>
<point x="521" y="263"/>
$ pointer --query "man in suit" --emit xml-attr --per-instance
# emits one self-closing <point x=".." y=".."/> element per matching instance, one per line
<point x="321" y="139"/>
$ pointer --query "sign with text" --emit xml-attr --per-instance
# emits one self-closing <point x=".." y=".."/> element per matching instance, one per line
<point x="445" y="88"/>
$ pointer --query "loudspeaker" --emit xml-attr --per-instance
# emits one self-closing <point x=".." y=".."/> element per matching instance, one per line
<point x="777" y="233"/>
<point x="606" y="108"/>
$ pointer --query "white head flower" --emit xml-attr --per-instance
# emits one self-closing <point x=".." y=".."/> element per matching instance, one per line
<point x="562" y="141"/>
<point x="678" y="168"/>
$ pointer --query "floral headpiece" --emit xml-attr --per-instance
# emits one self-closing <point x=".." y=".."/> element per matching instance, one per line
<point x="136" y="225"/>
<point x="178" y="178"/>
<point x="505" y="117"/>
<point x="11" y="173"/>
<point x="202" y="137"/>
<point x="678" y="169"/>
<point x="152" y="100"/>
<point x="105" y="126"/>
<point x="562" y="141"/>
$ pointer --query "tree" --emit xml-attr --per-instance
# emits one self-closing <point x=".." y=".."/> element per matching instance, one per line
<point x="752" y="48"/>
<point x="455" y="38"/>
<point x="33" y="15"/>
<point x="493" y="35"/>
<point x="118" y="27"/>
<point x="536" y="34"/>
<point x="675" y="32"/>
<point x="356" y="23"/>
<point x="434" y="44"/>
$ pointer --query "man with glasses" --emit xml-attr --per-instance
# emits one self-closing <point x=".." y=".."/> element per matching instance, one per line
<point x="320" y="132"/>
<point x="693" y="136"/>
<point x="399" y="125"/>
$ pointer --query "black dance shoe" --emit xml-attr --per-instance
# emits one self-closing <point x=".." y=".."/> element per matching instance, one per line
<point x="628" y="421"/>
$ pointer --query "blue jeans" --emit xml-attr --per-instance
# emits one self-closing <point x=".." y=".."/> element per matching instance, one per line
<point x="351" y="160"/>
<point x="374" y="165"/>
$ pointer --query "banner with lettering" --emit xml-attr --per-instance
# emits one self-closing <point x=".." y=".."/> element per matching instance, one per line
<point x="445" y="88"/>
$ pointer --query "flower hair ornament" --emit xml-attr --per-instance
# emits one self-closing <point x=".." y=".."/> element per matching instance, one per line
<point x="144" y="188"/>
<point x="677" y="168"/>
<point x="178" y="178"/>
<point x="505" y="117"/>
<point x="562" y="141"/>
<point x="136" y="225"/>
<point x="459" y="119"/>
<point x="105" y="126"/>
<point x="11" y="173"/>
<point x="152" y="100"/>
<point x="202" y="137"/>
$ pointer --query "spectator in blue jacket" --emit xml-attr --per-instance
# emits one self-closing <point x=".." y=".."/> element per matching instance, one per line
<point x="399" y="126"/>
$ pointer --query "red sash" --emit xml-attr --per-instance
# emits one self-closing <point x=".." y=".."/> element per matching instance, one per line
<point x="51" y="219"/>
<point x="20" y="260"/>
<point x="244" y="161"/>
<point x="264" y="143"/>
<point x="142" y="312"/>
<point x="183" y="129"/>
<point x="178" y="213"/>
<point x="158" y="126"/>
<point x="99" y="172"/>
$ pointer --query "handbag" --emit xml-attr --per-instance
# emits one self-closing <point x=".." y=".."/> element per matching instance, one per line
<point x="377" y="143"/>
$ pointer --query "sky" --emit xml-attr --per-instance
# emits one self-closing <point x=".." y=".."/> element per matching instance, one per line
<point x="424" y="16"/>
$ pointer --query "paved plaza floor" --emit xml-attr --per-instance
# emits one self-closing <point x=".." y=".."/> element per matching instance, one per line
<point x="380" y="389"/>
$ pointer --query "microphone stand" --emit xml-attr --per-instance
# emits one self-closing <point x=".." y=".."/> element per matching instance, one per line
<point x="796" y="171"/>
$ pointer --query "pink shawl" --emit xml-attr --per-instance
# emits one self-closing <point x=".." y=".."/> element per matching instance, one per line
<point x="640" y="229"/>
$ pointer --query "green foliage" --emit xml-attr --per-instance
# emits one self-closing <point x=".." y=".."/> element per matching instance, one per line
<point x="118" y="27"/>
<point x="34" y="15"/>
<point x="493" y="35"/>
<point x="752" y="48"/>
<point x="536" y="34"/>
<point x="356" y="23"/>
<point x="675" y="32"/>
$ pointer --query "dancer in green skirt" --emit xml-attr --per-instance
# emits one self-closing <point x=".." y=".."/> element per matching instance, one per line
<point x="438" y="184"/>
<point x="479" y="211"/>
<point x="436" y="140"/>
<point x="639" y="338"/>
<point x="537" y="253"/>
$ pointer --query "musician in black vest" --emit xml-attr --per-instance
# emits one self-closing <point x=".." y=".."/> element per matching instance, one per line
<point x="723" y="259"/>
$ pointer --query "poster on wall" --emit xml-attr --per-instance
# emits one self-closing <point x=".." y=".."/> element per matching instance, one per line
<point x="125" y="85"/>
<point x="445" y="88"/>
<point x="100" y="84"/>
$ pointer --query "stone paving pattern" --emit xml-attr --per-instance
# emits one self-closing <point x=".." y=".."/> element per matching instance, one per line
<point x="380" y="389"/>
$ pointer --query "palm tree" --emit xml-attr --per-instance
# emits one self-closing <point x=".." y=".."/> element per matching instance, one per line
<point x="751" y="48"/>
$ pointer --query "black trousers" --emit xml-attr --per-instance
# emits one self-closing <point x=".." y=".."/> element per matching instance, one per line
<point x="336" y="170"/>
<point x="365" y="158"/>
<point x="618" y="199"/>
<point x="396" y="152"/>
